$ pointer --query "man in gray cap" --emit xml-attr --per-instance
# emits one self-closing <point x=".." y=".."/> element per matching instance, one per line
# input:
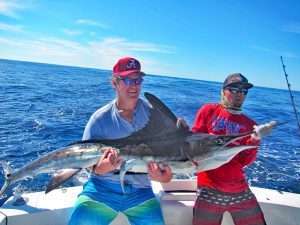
<point x="225" y="188"/>
<point x="235" y="83"/>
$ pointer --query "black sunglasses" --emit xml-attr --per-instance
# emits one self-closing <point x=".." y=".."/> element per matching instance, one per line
<point x="236" y="90"/>
<point x="130" y="81"/>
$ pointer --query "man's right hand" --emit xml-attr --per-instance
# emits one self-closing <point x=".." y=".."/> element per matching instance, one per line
<point x="108" y="162"/>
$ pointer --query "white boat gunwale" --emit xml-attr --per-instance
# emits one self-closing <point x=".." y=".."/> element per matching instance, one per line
<point x="177" y="200"/>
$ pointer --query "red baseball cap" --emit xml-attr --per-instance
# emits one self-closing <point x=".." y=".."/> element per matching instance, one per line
<point x="126" y="66"/>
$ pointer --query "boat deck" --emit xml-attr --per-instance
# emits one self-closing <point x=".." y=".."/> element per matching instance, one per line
<point x="177" y="199"/>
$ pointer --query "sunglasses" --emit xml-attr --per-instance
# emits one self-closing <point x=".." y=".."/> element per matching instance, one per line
<point x="129" y="81"/>
<point x="235" y="90"/>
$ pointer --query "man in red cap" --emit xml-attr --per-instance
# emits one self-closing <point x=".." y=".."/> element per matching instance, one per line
<point x="225" y="188"/>
<point x="102" y="197"/>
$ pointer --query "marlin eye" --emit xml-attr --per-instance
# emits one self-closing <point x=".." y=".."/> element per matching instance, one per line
<point x="219" y="141"/>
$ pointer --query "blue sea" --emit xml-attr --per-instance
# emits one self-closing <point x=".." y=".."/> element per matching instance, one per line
<point x="44" y="107"/>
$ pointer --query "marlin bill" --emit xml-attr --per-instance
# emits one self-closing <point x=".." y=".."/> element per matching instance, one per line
<point x="159" y="141"/>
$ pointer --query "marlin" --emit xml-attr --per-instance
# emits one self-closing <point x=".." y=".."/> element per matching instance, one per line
<point x="161" y="141"/>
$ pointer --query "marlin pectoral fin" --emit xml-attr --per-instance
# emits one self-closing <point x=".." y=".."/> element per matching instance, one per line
<point x="60" y="177"/>
<point x="125" y="166"/>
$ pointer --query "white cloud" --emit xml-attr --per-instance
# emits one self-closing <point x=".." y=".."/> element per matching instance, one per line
<point x="8" y="8"/>
<point x="11" y="28"/>
<point x="101" y="54"/>
<point x="122" y="45"/>
<point x="293" y="28"/>
<point x="37" y="48"/>
<point x="63" y="45"/>
<point x="274" y="52"/>
<point x="91" y="23"/>
<point x="71" y="32"/>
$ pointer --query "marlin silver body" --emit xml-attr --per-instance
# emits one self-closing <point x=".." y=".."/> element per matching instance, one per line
<point x="159" y="141"/>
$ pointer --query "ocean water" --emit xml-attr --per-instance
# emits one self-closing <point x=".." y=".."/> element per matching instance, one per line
<point x="45" y="107"/>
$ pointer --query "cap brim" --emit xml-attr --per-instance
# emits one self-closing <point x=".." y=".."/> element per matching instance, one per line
<point x="248" y="85"/>
<point x="245" y="85"/>
<point x="125" y="73"/>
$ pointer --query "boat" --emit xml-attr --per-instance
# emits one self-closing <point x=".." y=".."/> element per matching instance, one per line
<point x="176" y="197"/>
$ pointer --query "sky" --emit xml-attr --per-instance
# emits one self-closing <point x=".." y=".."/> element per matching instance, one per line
<point x="197" y="39"/>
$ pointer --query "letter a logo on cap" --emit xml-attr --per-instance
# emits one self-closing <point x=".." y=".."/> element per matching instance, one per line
<point x="126" y="66"/>
<point x="131" y="64"/>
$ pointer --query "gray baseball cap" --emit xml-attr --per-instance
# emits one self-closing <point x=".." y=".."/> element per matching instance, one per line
<point x="237" y="79"/>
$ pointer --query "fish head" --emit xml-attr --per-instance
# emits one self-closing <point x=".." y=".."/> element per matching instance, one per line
<point x="209" y="148"/>
<point x="219" y="157"/>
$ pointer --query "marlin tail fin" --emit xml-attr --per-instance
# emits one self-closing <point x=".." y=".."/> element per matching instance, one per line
<point x="7" y="172"/>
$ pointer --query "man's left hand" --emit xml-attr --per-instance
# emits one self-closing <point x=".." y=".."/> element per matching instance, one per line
<point x="163" y="175"/>
<point x="263" y="130"/>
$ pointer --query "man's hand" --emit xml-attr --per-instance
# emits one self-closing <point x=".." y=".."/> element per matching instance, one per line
<point x="263" y="130"/>
<point x="163" y="175"/>
<point x="108" y="162"/>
